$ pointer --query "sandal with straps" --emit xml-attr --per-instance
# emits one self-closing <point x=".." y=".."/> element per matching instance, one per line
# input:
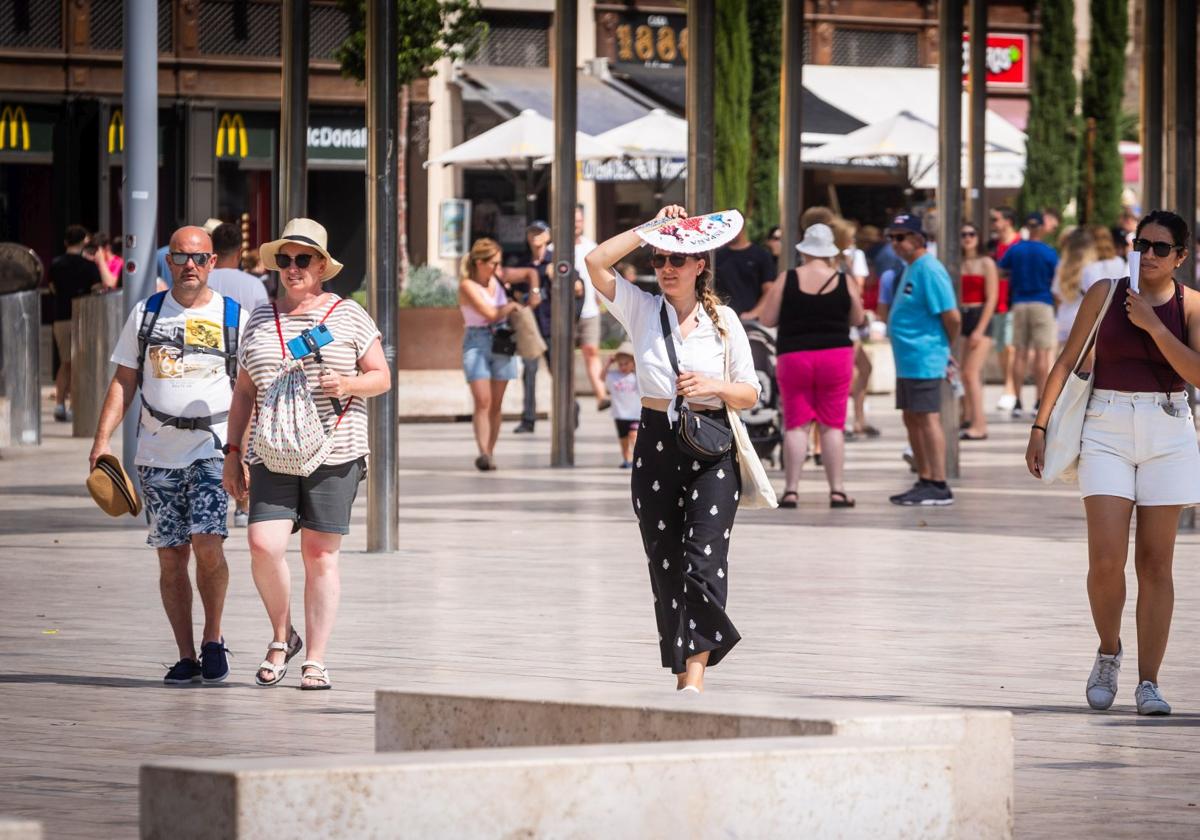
<point x="277" y="671"/>
<point x="323" y="676"/>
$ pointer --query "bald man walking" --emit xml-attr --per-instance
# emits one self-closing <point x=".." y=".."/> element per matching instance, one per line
<point x="180" y="347"/>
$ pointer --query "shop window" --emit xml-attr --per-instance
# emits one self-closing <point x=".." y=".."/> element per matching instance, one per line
<point x="239" y="27"/>
<point x="31" y="23"/>
<point x="106" y="25"/>
<point x="875" y="48"/>
<point x="515" y="40"/>
<point x="329" y="26"/>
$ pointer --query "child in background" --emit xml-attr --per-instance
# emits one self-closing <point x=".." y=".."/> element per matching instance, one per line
<point x="626" y="402"/>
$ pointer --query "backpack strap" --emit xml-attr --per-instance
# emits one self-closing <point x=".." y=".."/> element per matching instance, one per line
<point x="150" y="314"/>
<point x="233" y="317"/>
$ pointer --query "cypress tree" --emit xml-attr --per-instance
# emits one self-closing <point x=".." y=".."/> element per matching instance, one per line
<point x="766" y="38"/>
<point x="1102" y="85"/>
<point x="1052" y="132"/>
<point x="731" y="106"/>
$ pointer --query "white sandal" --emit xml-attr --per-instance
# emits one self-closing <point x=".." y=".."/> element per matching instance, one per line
<point x="323" y="676"/>
<point x="277" y="671"/>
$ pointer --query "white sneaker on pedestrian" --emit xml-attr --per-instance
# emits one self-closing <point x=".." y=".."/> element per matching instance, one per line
<point x="1102" y="684"/>
<point x="1006" y="402"/>
<point x="1150" y="700"/>
<point x="241" y="518"/>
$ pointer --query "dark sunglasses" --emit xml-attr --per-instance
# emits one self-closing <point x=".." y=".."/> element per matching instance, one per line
<point x="181" y="258"/>
<point x="301" y="260"/>
<point x="1160" y="249"/>
<point x="897" y="237"/>
<point x="677" y="260"/>
<point x="968" y="234"/>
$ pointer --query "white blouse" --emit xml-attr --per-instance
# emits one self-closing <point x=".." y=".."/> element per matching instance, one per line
<point x="702" y="352"/>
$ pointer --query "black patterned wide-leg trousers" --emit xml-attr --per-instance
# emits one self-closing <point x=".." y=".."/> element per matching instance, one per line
<point x="685" y="510"/>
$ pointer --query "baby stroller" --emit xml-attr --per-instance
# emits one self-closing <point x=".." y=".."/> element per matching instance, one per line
<point x="763" y="420"/>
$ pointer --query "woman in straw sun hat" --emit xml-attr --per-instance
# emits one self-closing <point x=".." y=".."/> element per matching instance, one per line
<point x="685" y="507"/>
<point x="351" y="368"/>
<point x="814" y="306"/>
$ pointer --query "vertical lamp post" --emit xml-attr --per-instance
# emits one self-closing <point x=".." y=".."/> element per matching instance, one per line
<point x="562" y="185"/>
<point x="978" y="104"/>
<point x="950" y="32"/>
<point x="700" y="106"/>
<point x="1152" y="105"/>
<point x="140" y="191"/>
<point x="383" y="431"/>
<point x="293" y="112"/>
<point x="791" y="96"/>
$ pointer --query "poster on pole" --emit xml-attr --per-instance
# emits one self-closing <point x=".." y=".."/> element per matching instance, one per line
<point x="454" y="228"/>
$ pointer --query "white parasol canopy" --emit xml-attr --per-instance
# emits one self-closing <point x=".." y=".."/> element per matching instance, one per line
<point x="523" y="139"/>
<point x="903" y="134"/>
<point x="656" y="135"/>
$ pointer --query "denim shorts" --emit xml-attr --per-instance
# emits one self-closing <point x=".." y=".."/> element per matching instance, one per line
<point x="479" y="362"/>
<point x="184" y="501"/>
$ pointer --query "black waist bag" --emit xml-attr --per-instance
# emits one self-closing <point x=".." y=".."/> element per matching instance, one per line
<point x="504" y="340"/>
<point x="703" y="437"/>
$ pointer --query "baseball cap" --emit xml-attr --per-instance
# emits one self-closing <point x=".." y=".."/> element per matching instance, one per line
<point x="907" y="222"/>
<point x="1035" y="219"/>
<point x="537" y="226"/>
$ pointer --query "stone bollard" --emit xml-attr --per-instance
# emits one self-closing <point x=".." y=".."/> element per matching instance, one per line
<point x="96" y="322"/>
<point x="20" y="322"/>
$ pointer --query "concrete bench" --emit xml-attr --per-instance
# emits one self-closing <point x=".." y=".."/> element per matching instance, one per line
<point x="14" y="828"/>
<point x="617" y="764"/>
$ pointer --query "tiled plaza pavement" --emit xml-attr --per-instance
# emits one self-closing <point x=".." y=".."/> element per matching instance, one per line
<point x="533" y="574"/>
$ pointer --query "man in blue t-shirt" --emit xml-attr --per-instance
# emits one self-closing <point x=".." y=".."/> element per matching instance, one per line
<point x="1030" y="265"/>
<point x="923" y="322"/>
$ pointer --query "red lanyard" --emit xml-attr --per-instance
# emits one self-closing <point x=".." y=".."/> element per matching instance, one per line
<point x="279" y="327"/>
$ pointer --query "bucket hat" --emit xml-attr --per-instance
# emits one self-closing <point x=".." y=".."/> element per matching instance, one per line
<point x="112" y="489"/>
<point x="818" y="242"/>
<point x="626" y="349"/>
<point x="301" y="232"/>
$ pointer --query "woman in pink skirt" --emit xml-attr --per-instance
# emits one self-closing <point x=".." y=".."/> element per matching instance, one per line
<point x="814" y="306"/>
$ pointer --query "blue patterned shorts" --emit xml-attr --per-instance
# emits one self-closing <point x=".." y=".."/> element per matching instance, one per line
<point x="185" y="501"/>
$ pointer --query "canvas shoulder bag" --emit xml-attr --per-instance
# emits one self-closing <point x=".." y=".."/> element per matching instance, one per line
<point x="698" y="434"/>
<point x="1064" y="430"/>
<point x="289" y="436"/>
<point x="757" y="491"/>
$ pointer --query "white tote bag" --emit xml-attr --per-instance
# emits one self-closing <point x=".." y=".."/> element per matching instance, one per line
<point x="757" y="491"/>
<point x="1064" y="430"/>
<point x="288" y="435"/>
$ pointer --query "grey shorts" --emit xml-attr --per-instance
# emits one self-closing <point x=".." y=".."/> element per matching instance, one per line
<point x="318" y="502"/>
<point x="920" y="396"/>
<point x="587" y="331"/>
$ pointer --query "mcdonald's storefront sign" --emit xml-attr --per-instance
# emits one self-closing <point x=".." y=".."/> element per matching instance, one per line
<point x="241" y="136"/>
<point x="25" y="130"/>
<point x="116" y="132"/>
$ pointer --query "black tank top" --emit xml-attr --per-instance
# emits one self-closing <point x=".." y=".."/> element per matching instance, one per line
<point x="814" y="322"/>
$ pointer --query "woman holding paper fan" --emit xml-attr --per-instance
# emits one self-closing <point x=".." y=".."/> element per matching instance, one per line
<point x="693" y="367"/>
<point x="1137" y="448"/>
<point x="338" y="345"/>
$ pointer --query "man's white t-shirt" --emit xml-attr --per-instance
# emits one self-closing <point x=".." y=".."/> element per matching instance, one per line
<point x="242" y="286"/>
<point x="180" y="379"/>
<point x="591" y="308"/>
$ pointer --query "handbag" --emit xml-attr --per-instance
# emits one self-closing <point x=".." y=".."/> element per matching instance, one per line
<point x="701" y="436"/>
<point x="1064" y="430"/>
<point x="757" y="491"/>
<point x="504" y="340"/>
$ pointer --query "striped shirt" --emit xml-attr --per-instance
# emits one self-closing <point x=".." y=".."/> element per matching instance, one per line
<point x="353" y="332"/>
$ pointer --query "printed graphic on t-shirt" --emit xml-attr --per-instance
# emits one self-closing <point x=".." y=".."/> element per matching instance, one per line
<point x="183" y="356"/>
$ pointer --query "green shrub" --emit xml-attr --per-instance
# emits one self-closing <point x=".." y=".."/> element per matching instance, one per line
<point x="428" y="286"/>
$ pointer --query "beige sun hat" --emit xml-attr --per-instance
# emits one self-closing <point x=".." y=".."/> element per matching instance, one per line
<point x="112" y="489"/>
<point x="626" y="349"/>
<point x="301" y="232"/>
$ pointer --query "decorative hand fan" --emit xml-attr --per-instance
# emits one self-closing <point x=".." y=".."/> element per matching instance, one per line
<point x="694" y="234"/>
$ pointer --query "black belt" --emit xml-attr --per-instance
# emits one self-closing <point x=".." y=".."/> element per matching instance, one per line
<point x="190" y="424"/>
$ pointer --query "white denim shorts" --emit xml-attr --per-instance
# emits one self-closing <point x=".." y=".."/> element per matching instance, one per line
<point x="1140" y="446"/>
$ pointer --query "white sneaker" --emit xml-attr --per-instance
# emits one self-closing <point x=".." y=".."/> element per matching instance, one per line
<point x="1006" y="402"/>
<point x="1149" y="700"/>
<point x="241" y="519"/>
<point x="1102" y="684"/>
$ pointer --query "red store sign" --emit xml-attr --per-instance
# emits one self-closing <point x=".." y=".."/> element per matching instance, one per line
<point x="1007" y="60"/>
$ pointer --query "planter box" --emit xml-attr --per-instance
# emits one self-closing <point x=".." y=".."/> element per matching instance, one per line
<point x="429" y="338"/>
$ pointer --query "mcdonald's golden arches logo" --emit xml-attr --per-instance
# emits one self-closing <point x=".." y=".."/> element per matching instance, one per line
<point x="14" y="128"/>
<point x="231" y="136"/>
<point x="116" y="132"/>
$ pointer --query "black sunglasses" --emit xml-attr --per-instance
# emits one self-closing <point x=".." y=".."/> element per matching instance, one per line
<point x="1161" y="249"/>
<point x="677" y="260"/>
<point x="301" y="260"/>
<point x="967" y="233"/>
<point x="897" y="237"/>
<point x="180" y="258"/>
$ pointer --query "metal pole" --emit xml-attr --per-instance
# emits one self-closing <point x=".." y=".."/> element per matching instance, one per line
<point x="700" y="108"/>
<point x="562" y="183"/>
<point x="140" y="189"/>
<point x="791" y="169"/>
<point x="950" y="32"/>
<point x="978" y="104"/>
<point x="383" y="232"/>
<point x="293" y="111"/>
<point x="1152" y="105"/>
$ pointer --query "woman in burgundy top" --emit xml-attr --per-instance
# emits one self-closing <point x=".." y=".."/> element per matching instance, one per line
<point x="980" y="292"/>
<point x="1138" y="449"/>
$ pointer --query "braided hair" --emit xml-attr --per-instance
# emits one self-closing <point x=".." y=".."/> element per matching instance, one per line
<point x="707" y="294"/>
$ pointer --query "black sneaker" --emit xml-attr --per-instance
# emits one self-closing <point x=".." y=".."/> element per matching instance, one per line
<point x="183" y="672"/>
<point x="928" y="495"/>
<point x="524" y="428"/>
<point x="896" y="500"/>
<point x="214" y="665"/>
<point x="1018" y="411"/>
